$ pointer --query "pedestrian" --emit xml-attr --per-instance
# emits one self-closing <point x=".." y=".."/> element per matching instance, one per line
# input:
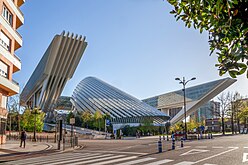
<point x="23" y="138"/>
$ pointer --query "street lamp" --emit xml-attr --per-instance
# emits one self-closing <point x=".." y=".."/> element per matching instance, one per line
<point x="184" y="82"/>
<point x="35" y="112"/>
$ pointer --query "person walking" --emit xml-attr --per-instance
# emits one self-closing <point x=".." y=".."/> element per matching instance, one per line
<point x="23" y="138"/>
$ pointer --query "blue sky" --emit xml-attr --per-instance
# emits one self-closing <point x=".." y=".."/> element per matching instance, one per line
<point x="134" y="45"/>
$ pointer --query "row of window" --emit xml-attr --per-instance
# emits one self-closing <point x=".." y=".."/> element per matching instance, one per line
<point x="7" y="15"/>
<point x="5" y="42"/>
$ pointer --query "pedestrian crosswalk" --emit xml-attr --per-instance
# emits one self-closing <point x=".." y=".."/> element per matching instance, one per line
<point x="93" y="158"/>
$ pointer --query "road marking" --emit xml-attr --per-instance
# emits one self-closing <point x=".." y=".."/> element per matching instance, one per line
<point x="79" y="160"/>
<point x="54" y="158"/>
<point x="112" y="161"/>
<point x="201" y="147"/>
<point x="136" y="161"/>
<point x="245" y="157"/>
<point x="180" y="148"/>
<point x="245" y="147"/>
<point x="185" y="163"/>
<point x="194" y="151"/>
<point x="160" y="162"/>
<point x="217" y="147"/>
<point x="209" y="164"/>
<point x="118" y="152"/>
<point x="233" y="147"/>
<point x="210" y="157"/>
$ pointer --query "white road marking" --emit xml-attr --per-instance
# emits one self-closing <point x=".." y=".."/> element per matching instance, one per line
<point x="233" y="147"/>
<point x="183" y="147"/>
<point x="185" y="163"/>
<point x="136" y="161"/>
<point x="194" y="151"/>
<point x="245" y="147"/>
<point x="118" y="152"/>
<point x="245" y="157"/>
<point x="210" y="157"/>
<point x="201" y="147"/>
<point x="113" y="161"/>
<point x="55" y="158"/>
<point x="79" y="161"/>
<point x="209" y="164"/>
<point x="217" y="147"/>
<point x="160" y="162"/>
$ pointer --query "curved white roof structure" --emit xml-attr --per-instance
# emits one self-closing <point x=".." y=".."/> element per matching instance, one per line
<point x="92" y="94"/>
<point x="56" y="67"/>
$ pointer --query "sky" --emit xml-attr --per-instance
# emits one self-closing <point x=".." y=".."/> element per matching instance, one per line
<point x="134" y="45"/>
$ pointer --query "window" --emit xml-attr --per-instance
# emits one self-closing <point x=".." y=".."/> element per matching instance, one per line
<point x="4" y="101"/>
<point x="3" y="69"/>
<point x="7" y="15"/>
<point x="4" y="41"/>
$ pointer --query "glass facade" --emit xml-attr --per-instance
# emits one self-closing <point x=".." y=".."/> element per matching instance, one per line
<point x="172" y="102"/>
<point x="92" y="94"/>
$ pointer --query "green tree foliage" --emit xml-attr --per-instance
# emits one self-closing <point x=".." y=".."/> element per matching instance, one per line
<point x="28" y="120"/>
<point x="177" y="127"/>
<point x="192" y="124"/>
<point x="86" y="118"/>
<point x="243" y="115"/>
<point x="98" y="120"/>
<point x="227" y="24"/>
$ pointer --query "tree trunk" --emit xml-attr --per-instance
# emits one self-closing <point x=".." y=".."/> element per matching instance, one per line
<point x="223" y="125"/>
<point x="232" y="122"/>
<point x="238" y="122"/>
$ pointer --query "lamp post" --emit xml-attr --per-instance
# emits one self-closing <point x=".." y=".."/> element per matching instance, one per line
<point x="184" y="82"/>
<point x="35" y="112"/>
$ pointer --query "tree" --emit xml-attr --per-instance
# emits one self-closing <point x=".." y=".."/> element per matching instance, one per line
<point x="243" y="115"/>
<point x="15" y="111"/>
<point x="236" y="103"/>
<point x="225" y="100"/>
<point x="86" y="117"/>
<point x="226" y="22"/>
<point x="98" y="117"/>
<point x="28" y="119"/>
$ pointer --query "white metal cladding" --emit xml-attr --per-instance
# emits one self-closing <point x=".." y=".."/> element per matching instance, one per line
<point x="92" y="94"/>
<point x="56" y="67"/>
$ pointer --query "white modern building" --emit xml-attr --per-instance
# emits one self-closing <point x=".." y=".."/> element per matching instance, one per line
<point x="56" y="67"/>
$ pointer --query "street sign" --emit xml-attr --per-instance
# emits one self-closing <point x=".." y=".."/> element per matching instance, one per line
<point x="72" y="120"/>
<point x="60" y="117"/>
<point x="107" y="122"/>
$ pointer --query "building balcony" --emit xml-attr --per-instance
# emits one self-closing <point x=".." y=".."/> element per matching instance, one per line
<point x="12" y="58"/>
<point x="13" y="32"/>
<point x="11" y="87"/>
<point x="20" y="2"/>
<point x="17" y="12"/>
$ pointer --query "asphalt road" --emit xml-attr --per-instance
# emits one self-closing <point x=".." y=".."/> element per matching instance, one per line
<point x="228" y="150"/>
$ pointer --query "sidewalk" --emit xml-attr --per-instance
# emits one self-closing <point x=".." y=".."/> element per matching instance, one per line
<point x="14" y="147"/>
<point x="12" y="150"/>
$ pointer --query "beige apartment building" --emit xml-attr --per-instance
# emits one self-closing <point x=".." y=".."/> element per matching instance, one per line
<point x="10" y="40"/>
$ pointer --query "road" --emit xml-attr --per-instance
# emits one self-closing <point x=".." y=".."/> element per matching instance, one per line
<point x="228" y="150"/>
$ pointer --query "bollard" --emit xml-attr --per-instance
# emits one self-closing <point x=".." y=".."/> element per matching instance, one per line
<point x="208" y="136"/>
<point x="159" y="138"/>
<point x="211" y="136"/>
<point x="198" y="137"/>
<point x="173" y="144"/>
<point x="159" y="146"/>
<point x="181" y="142"/>
<point x="167" y="138"/>
<point x="163" y="137"/>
